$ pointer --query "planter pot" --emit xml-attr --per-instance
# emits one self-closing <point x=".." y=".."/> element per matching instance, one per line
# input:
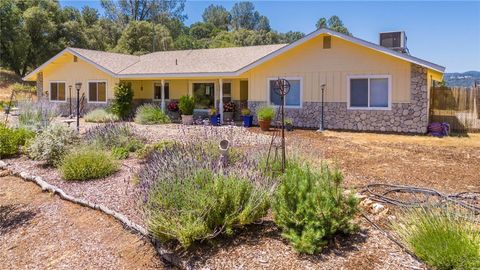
<point x="289" y="127"/>
<point x="247" y="120"/>
<point x="264" y="125"/>
<point x="215" y="120"/>
<point x="187" y="119"/>
<point x="227" y="116"/>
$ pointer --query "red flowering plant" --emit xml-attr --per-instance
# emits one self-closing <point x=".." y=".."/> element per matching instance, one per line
<point x="229" y="107"/>
<point x="173" y="106"/>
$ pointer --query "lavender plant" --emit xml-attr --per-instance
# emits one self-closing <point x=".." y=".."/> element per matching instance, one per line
<point x="114" y="135"/>
<point x="37" y="116"/>
<point x="190" y="192"/>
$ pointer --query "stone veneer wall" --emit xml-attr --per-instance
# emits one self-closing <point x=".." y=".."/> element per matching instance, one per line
<point x="39" y="85"/>
<point x="409" y="117"/>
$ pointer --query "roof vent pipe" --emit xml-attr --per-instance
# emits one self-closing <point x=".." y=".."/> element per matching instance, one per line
<point x="176" y="62"/>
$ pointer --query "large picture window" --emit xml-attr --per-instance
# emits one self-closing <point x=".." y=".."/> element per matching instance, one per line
<point x="294" y="96"/>
<point x="204" y="94"/>
<point x="157" y="90"/>
<point x="369" y="92"/>
<point x="57" y="91"/>
<point x="97" y="91"/>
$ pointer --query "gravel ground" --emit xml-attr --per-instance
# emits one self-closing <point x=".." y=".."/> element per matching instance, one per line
<point x="450" y="165"/>
<point x="40" y="231"/>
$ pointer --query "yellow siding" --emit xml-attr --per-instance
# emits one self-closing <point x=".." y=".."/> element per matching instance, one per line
<point x="319" y="66"/>
<point x="64" y="69"/>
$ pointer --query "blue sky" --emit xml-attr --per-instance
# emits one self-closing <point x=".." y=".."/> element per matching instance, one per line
<point x="443" y="32"/>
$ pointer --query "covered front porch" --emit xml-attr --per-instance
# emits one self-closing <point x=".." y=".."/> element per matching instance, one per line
<point x="208" y="93"/>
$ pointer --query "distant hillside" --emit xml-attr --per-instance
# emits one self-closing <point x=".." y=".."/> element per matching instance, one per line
<point x="462" y="79"/>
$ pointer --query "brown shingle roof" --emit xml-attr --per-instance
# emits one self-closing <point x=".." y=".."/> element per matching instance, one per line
<point x="115" y="62"/>
<point x="199" y="61"/>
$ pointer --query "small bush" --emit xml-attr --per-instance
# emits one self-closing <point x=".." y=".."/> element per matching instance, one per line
<point x="87" y="163"/>
<point x="11" y="139"/>
<point x="310" y="207"/>
<point x="441" y="239"/>
<point x="100" y="116"/>
<point x="52" y="144"/>
<point x="148" y="149"/>
<point x="113" y="135"/>
<point x="122" y="104"/>
<point x="186" y="105"/>
<point x="120" y="152"/>
<point x="266" y="113"/>
<point x="149" y="114"/>
<point x="191" y="195"/>
<point x="37" y="116"/>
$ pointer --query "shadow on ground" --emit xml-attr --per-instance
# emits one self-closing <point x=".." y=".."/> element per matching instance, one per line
<point x="12" y="216"/>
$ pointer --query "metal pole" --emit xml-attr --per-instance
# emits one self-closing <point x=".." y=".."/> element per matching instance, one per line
<point x="70" y="96"/>
<point x="283" y="132"/>
<point x="78" y="109"/>
<point x="322" y="125"/>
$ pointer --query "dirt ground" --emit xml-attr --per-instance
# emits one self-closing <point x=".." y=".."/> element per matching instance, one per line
<point x="450" y="164"/>
<point x="41" y="231"/>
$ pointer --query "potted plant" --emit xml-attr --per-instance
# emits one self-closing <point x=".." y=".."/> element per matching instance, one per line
<point x="228" y="110"/>
<point x="247" y="117"/>
<point x="214" y="117"/>
<point x="265" y="116"/>
<point x="186" y="107"/>
<point x="289" y="124"/>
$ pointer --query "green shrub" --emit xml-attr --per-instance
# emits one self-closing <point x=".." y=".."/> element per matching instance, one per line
<point x="440" y="238"/>
<point x="11" y="139"/>
<point x="52" y="144"/>
<point x="87" y="163"/>
<point x="198" y="207"/>
<point x="148" y="149"/>
<point x="186" y="105"/>
<point x="122" y="104"/>
<point x="37" y="116"/>
<point x="120" y="152"/>
<point x="100" y="116"/>
<point x="266" y="113"/>
<point x="310" y="207"/>
<point x="149" y="114"/>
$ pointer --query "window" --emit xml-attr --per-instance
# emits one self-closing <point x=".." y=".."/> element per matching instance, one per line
<point x="204" y="94"/>
<point x="293" y="98"/>
<point x="157" y="91"/>
<point x="97" y="92"/>
<point x="57" y="91"/>
<point x="227" y="92"/>
<point x="369" y="92"/>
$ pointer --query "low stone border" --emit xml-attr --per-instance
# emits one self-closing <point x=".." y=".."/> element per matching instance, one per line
<point x="164" y="253"/>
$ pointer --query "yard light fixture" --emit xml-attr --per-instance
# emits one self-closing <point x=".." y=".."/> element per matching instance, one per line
<point x="70" y="101"/>
<point x="322" y="124"/>
<point x="78" y="86"/>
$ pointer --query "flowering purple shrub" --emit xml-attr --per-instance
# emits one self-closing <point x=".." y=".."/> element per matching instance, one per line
<point x="114" y="135"/>
<point x="190" y="192"/>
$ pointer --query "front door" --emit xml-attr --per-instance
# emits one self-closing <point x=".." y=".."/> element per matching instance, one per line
<point x="204" y="94"/>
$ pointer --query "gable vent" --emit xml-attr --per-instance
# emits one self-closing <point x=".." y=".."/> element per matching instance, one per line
<point x="327" y="42"/>
<point x="75" y="58"/>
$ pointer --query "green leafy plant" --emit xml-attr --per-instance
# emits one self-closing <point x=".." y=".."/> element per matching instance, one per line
<point x="266" y="113"/>
<point x="37" y="116"/>
<point x="11" y="139"/>
<point x="310" y="207"/>
<point x="120" y="152"/>
<point x="441" y="238"/>
<point x="289" y="121"/>
<point x="194" y="208"/>
<point x="151" y="114"/>
<point x="245" y="112"/>
<point x="122" y="104"/>
<point x="100" y="116"/>
<point x="52" y="144"/>
<point x="87" y="163"/>
<point x="28" y="88"/>
<point x="148" y="149"/>
<point x="186" y="105"/>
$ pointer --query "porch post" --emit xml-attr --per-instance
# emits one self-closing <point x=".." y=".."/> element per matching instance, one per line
<point x="220" y="105"/>
<point x="163" y="94"/>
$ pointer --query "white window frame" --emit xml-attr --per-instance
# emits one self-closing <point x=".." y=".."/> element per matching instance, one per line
<point x="50" y="91"/>
<point x="288" y="79"/>
<point x="159" y="82"/>
<point x="88" y="91"/>
<point x="368" y="77"/>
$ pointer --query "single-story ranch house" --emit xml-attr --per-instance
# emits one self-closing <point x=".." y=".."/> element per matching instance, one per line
<point x="367" y="86"/>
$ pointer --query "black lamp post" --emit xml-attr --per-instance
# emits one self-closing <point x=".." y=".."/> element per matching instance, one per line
<point x="322" y="126"/>
<point x="78" y="86"/>
<point x="70" y="94"/>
